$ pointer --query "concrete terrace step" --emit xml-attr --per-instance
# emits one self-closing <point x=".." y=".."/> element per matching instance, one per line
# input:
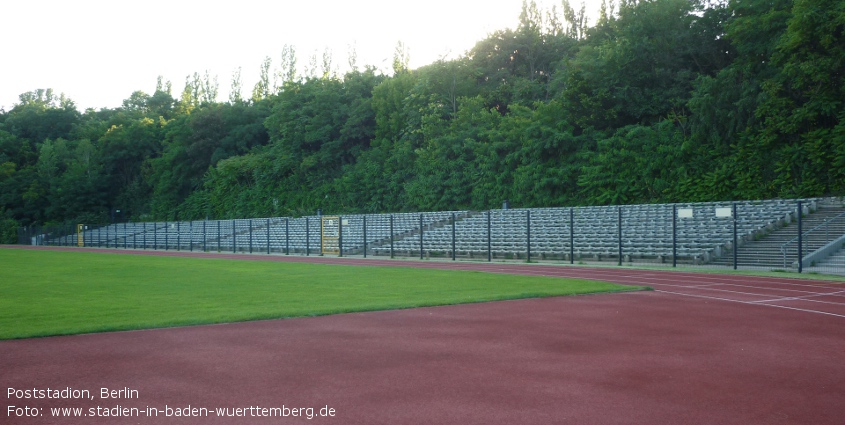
<point x="769" y="250"/>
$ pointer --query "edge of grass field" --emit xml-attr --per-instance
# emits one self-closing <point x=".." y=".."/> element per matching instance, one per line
<point x="260" y="318"/>
<point x="234" y="317"/>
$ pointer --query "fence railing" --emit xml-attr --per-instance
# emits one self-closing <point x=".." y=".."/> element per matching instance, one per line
<point x="748" y="234"/>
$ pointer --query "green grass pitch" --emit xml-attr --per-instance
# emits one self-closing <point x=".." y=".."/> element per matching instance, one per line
<point x="58" y="293"/>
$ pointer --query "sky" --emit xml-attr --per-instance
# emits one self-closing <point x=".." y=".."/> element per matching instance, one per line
<point x="99" y="52"/>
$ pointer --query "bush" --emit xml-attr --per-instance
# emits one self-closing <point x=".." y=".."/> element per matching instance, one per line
<point x="9" y="231"/>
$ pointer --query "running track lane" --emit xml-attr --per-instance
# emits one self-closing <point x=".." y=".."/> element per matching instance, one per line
<point x="642" y="358"/>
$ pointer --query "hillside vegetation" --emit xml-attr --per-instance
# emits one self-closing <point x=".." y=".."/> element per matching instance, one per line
<point x="657" y="101"/>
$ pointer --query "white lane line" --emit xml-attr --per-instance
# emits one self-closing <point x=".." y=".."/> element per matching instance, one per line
<point x="753" y="303"/>
<point x="807" y="298"/>
<point x="612" y="275"/>
<point x="708" y="288"/>
<point x="733" y="279"/>
<point x="758" y="286"/>
<point x="802" y="297"/>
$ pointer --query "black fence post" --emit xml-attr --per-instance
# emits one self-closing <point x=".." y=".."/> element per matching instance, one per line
<point x="800" y="238"/>
<point x="268" y="236"/>
<point x="99" y="238"/>
<point x="674" y="235"/>
<point x="736" y="239"/>
<point x="528" y="235"/>
<point x="250" y="236"/>
<point x="421" y="236"/>
<point x="234" y="238"/>
<point x="340" y="236"/>
<point x="204" y="236"/>
<point x="124" y="235"/>
<point x="178" y="235"/>
<point x="391" y="235"/>
<point x="619" y="225"/>
<point x="320" y="226"/>
<point x="364" y="217"/>
<point x="218" y="236"/>
<point x="166" y="236"/>
<point x="489" y="236"/>
<point x="453" y="237"/>
<point x="155" y="236"/>
<point x="287" y="236"/>
<point x="307" y="237"/>
<point x="572" y="236"/>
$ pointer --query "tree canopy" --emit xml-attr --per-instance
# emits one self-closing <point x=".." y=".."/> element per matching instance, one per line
<point x="657" y="101"/>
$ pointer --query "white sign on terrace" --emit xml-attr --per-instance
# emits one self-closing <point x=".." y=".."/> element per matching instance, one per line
<point x="723" y="212"/>
<point x="685" y="213"/>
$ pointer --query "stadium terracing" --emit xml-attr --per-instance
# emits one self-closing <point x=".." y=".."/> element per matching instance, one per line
<point x="701" y="234"/>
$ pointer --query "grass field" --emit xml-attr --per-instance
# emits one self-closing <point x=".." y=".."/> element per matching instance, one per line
<point x="58" y="293"/>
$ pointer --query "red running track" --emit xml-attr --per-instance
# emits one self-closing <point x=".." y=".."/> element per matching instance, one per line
<point x="700" y="349"/>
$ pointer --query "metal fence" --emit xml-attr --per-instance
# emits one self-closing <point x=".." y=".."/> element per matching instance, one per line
<point x="804" y="235"/>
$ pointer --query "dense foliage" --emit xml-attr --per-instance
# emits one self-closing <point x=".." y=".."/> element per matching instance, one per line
<point x="658" y="101"/>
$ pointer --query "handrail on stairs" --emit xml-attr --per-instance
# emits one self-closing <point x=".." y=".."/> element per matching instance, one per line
<point x="825" y="224"/>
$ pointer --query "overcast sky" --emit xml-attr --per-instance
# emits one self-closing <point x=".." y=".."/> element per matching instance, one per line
<point x="99" y="52"/>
